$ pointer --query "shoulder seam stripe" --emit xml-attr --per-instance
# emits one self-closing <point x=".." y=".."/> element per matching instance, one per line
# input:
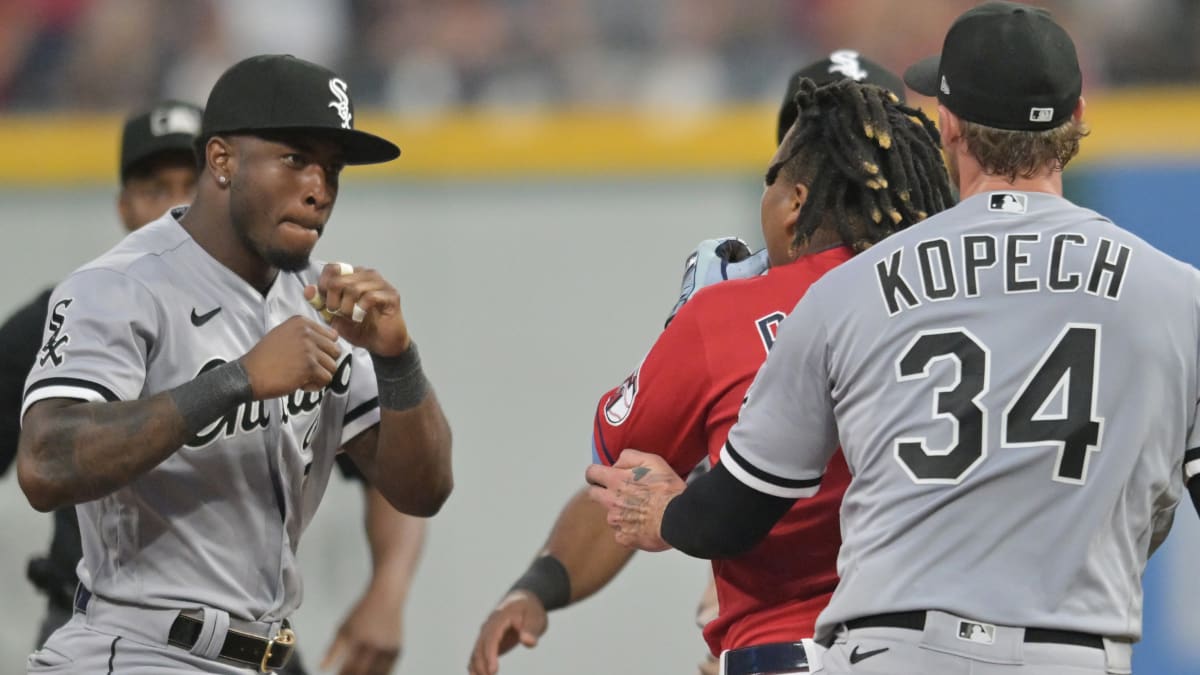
<point x="73" y="382"/>
<point x="771" y="478"/>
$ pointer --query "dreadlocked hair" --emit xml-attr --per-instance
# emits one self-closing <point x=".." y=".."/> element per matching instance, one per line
<point x="873" y="166"/>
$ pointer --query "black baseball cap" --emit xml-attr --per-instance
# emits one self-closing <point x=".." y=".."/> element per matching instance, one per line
<point x="278" y="92"/>
<point x="170" y="126"/>
<point x="840" y="64"/>
<point x="1004" y="65"/>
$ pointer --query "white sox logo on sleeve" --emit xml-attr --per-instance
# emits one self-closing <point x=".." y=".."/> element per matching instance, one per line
<point x="56" y="339"/>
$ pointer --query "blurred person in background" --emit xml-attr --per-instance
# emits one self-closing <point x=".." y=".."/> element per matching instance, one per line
<point x="423" y="57"/>
<point x="158" y="170"/>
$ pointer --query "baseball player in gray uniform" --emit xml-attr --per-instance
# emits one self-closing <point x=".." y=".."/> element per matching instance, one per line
<point x="191" y="399"/>
<point x="1014" y="384"/>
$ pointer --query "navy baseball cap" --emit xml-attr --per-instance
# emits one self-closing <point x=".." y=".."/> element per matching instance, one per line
<point x="277" y="92"/>
<point x="1004" y="65"/>
<point x="170" y="126"/>
<point x="839" y="65"/>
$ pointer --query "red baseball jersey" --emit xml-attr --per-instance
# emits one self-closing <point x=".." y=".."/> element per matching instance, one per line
<point x="680" y="404"/>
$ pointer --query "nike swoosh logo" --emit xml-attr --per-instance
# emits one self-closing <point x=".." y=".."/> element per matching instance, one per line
<point x="201" y="319"/>
<point x="855" y="656"/>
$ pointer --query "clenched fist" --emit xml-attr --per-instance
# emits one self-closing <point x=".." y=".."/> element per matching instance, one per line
<point x="362" y="293"/>
<point x="296" y="354"/>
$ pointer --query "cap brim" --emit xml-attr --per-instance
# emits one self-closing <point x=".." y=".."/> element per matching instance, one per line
<point x="922" y="76"/>
<point x="358" y="147"/>
<point x="364" y="148"/>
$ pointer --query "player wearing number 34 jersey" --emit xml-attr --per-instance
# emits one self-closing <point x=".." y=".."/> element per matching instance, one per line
<point x="1014" y="386"/>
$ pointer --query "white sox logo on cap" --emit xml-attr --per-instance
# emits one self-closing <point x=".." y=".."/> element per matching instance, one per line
<point x="845" y="61"/>
<point x="342" y="104"/>
<point x="175" y="119"/>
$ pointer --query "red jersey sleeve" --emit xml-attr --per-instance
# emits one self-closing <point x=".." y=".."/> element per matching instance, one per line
<point x="662" y="407"/>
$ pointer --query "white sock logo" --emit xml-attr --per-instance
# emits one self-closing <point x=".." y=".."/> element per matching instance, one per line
<point x="845" y="61"/>
<point x="342" y="104"/>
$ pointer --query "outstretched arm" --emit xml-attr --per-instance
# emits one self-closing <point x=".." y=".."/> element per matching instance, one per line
<point x="580" y="541"/>
<point x="370" y="638"/>
<point x="579" y="558"/>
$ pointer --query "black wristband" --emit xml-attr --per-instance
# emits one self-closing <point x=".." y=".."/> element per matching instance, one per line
<point x="400" y="379"/>
<point x="547" y="579"/>
<point x="212" y="394"/>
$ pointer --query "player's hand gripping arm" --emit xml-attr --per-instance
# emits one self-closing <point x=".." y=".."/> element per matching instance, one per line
<point x="370" y="639"/>
<point x="722" y="517"/>
<point x="407" y="456"/>
<point x="579" y="546"/>
<point x="72" y="452"/>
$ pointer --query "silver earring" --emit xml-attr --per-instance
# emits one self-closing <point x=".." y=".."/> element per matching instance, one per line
<point x="221" y="179"/>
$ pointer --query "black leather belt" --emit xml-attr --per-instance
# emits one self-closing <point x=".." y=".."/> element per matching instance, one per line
<point x="243" y="649"/>
<point x="240" y="648"/>
<point x="777" y="657"/>
<point x="916" y="621"/>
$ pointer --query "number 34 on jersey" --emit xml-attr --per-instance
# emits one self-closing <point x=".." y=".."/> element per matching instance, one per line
<point x="1054" y="407"/>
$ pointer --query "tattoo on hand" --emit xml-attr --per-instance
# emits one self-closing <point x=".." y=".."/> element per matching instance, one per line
<point x="640" y="473"/>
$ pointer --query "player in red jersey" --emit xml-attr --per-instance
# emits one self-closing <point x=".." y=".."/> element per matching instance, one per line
<point x="681" y="402"/>
<point x="683" y="399"/>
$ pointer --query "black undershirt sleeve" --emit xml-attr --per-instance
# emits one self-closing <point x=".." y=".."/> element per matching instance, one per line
<point x="718" y="516"/>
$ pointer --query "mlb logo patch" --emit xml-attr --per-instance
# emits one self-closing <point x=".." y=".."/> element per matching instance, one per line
<point x="1041" y="114"/>
<point x="983" y="633"/>
<point x="1008" y="202"/>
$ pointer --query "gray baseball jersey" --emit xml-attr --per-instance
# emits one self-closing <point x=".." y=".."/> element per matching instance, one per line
<point x="1014" y="385"/>
<point x="218" y="522"/>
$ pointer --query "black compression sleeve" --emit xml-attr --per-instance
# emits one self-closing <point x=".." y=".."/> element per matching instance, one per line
<point x="1194" y="488"/>
<point x="719" y="516"/>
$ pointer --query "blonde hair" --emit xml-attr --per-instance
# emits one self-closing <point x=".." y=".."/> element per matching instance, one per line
<point x="1001" y="152"/>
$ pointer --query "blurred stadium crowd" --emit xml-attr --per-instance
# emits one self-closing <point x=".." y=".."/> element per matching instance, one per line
<point x="423" y="56"/>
